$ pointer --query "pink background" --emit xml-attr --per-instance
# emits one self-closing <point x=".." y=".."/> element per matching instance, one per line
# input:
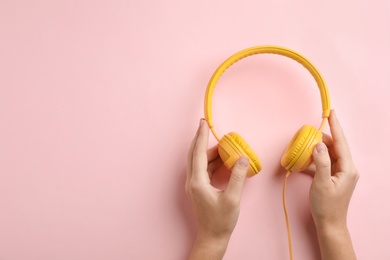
<point x="99" y="101"/>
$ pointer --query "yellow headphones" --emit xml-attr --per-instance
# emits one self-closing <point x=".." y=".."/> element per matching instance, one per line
<point x="232" y="146"/>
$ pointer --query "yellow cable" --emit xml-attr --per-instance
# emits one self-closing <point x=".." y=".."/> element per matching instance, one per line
<point x="284" y="200"/>
<point x="323" y="124"/>
<point x="286" y="215"/>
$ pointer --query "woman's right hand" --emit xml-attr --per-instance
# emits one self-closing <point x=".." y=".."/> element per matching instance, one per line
<point x="334" y="181"/>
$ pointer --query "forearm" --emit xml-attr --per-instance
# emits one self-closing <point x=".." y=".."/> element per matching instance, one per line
<point x="208" y="248"/>
<point x="335" y="243"/>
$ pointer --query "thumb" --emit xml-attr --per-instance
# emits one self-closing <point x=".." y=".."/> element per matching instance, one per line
<point x="322" y="161"/>
<point x="237" y="178"/>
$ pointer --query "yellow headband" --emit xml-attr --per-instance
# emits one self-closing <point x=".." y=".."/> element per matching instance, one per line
<point x="259" y="50"/>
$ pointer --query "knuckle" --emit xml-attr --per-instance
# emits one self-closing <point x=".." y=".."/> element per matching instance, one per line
<point x="324" y="163"/>
<point x="238" y="176"/>
<point x="355" y="174"/>
<point x="186" y="188"/>
<point x="194" y="187"/>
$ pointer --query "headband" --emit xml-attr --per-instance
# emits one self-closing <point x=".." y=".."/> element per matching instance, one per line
<point x="264" y="50"/>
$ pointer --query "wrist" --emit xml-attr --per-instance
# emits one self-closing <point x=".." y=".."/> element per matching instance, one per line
<point x="335" y="241"/>
<point x="329" y="222"/>
<point x="209" y="247"/>
<point x="331" y="228"/>
<point x="216" y="242"/>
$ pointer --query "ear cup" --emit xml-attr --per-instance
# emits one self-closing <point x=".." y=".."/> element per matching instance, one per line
<point x="232" y="147"/>
<point x="298" y="154"/>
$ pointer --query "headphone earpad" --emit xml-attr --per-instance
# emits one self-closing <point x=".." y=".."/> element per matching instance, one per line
<point x="298" y="154"/>
<point x="231" y="147"/>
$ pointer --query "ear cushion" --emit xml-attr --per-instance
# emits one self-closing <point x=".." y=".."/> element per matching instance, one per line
<point x="298" y="154"/>
<point x="232" y="146"/>
<point x="247" y="149"/>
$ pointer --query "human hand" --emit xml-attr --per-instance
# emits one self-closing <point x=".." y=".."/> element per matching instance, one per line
<point x="216" y="211"/>
<point x="335" y="177"/>
<point x="330" y="193"/>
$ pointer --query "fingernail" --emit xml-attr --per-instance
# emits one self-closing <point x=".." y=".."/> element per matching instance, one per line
<point x="200" y="122"/>
<point x="244" y="161"/>
<point x="334" y="116"/>
<point x="321" y="147"/>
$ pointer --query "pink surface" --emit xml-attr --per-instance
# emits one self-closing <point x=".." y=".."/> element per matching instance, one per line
<point x="99" y="101"/>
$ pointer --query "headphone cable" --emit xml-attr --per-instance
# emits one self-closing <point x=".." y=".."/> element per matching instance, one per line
<point x="286" y="215"/>
<point x="284" y="202"/>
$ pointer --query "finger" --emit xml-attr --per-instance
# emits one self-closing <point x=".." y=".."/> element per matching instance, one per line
<point x="322" y="162"/>
<point x="237" y="178"/>
<point x="340" y="143"/>
<point x="199" y="158"/>
<point x="310" y="170"/>
<point x="212" y="153"/>
<point x="190" y="154"/>
<point x="327" y="139"/>
<point x="214" y="166"/>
